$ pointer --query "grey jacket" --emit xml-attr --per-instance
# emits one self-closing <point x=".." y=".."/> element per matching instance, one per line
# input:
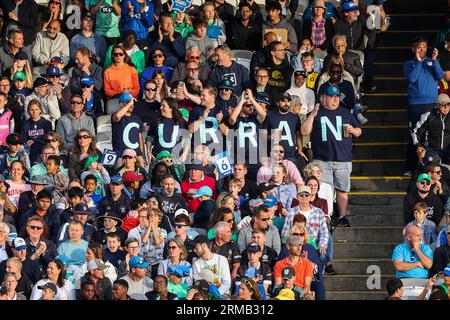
<point x="7" y="58"/>
<point x="284" y="24"/>
<point x="67" y="127"/>
<point x="272" y="234"/>
<point x="45" y="48"/>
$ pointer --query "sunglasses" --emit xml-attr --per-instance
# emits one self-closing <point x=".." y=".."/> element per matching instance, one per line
<point x="127" y="157"/>
<point x="301" y="234"/>
<point x="172" y="247"/>
<point x="76" y="102"/>
<point x="229" y="221"/>
<point x="437" y="171"/>
<point x="195" y="58"/>
<point x="150" y="89"/>
<point x="118" y="54"/>
<point x="51" y="140"/>
<point x="179" y="226"/>
<point x="264" y="219"/>
<point x="36" y="228"/>
<point x="247" y="283"/>
<point x="304" y="195"/>
<point x="84" y="86"/>
<point x="192" y="69"/>
<point x="278" y="151"/>
<point x="423" y="182"/>
<point x="84" y="137"/>
<point x="157" y="56"/>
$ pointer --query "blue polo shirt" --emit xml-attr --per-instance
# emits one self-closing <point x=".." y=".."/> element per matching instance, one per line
<point x="404" y="252"/>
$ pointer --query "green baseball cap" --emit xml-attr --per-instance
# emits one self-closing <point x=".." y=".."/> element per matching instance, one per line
<point x="19" y="75"/>
<point x="423" y="176"/>
<point x="163" y="154"/>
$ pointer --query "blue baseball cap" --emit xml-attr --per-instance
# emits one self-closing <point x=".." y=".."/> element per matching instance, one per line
<point x="116" y="180"/>
<point x="349" y="6"/>
<point x="125" y="97"/>
<point x="19" y="244"/>
<point x="56" y="60"/>
<point x="65" y="261"/>
<point x="138" y="262"/>
<point x="179" y="271"/>
<point x="86" y="81"/>
<point x="333" y="91"/>
<point x="447" y="272"/>
<point x="52" y="71"/>
<point x="270" y="201"/>
<point x="263" y="98"/>
<point x="203" y="191"/>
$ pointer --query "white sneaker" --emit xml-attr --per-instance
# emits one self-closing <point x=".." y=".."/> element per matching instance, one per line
<point x="363" y="120"/>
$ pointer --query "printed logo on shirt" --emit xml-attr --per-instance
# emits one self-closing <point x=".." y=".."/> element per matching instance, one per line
<point x="106" y="9"/>
<point x="231" y="77"/>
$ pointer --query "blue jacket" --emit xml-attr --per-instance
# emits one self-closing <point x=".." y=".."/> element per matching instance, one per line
<point x="137" y="21"/>
<point x="422" y="77"/>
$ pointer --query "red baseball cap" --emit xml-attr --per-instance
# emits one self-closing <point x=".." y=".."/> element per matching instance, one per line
<point x="131" y="176"/>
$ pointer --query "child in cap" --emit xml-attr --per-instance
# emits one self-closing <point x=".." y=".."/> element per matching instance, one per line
<point x="92" y="166"/>
<point x="175" y="284"/>
<point x="205" y="209"/>
<point x="15" y="152"/>
<point x="92" y="101"/>
<point x="21" y="87"/>
<point x="49" y="291"/>
<point x="427" y="227"/>
<point x="287" y="282"/>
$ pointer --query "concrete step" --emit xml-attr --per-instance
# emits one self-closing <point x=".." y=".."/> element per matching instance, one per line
<point x="372" y="210"/>
<point x="353" y="282"/>
<point x="375" y="167"/>
<point x="388" y="53"/>
<point x="364" y="250"/>
<point x="387" y="133"/>
<point x="386" y="100"/>
<point x="368" y="199"/>
<point x="376" y="216"/>
<point x="414" y="21"/>
<point x="379" y="183"/>
<point x="389" y="150"/>
<point x="385" y="116"/>
<point x="356" y="295"/>
<point x="368" y="234"/>
<point x="404" y="37"/>
<point x="388" y="69"/>
<point x="359" y="266"/>
<point x="391" y="84"/>
<point x="418" y="6"/>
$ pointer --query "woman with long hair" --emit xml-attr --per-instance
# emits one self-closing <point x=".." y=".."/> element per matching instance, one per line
<point x="54" y="140"/>
<point x="325" y="190"/>
<point x="130" y="162"/>
<point x="84" y="147"/>
<point x="314" y="184"/>
<point x="215" y="26"/>
<point x="162" y="88"/>
<point x="176" y="255"/>
<point x="285" y="191"/>
<point x="57" y="275"/>
<point x="17" y="183"/>
<point x="158" y="62"/>
<point x="223" y="214"/>
<point x="167" y="133"/>
<point x="248" y="290"/>
<point x="95" y="251"/>
<point x="182" y="23"/>
<point x="120" y="75"/>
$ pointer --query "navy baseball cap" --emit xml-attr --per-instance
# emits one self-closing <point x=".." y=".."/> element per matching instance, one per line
<point x="263" y="98"/>
<point x="52" y="71"/>
<point x="349" y="6"/>
<point x="86" y="81"/>
<point x="116" y="180"/>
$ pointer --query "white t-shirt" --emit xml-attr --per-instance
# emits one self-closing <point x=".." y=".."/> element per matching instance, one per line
<point x="326" y="192"/>
<point x="67" y="292"/>
<point x="219" y="266"/>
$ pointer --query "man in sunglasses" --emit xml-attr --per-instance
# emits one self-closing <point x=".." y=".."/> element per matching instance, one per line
<point x="148" y="109"/>
<point x="70" y="123"/>
<point x="423" y="193"/>
<point x="183" y="72"/>
<point x="433" y="129"/>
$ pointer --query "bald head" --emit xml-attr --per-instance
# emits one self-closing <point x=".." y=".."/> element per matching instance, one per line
<point x="413" y="234"/>
<point x="270" y="37"/>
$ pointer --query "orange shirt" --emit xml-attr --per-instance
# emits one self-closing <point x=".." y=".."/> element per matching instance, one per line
<point x="117" y="79"/>
<point x="304" y="268"/>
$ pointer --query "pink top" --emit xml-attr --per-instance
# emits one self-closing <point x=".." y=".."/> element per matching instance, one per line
<point x="265" y="173"/>
<point x="15" y="190"/>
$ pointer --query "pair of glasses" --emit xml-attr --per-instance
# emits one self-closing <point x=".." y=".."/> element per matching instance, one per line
<point x="150" y="89"/>
<point x="84" y="137"/>
<point x="192" y="69"/>
<point x="36" y="227"/>
<point x="118" y="54"/>
<point x="264" y="219"/>
<point x="262" y="77"/>
<point x="437" y="171"/>
<point x="278" y="151"/>
<point x="179" y="226"/>
<point x="304" y="195"/>
<point x="76" y="102"/>
<point x="195" y="57"/>
<point x="127" y="157"/>
<point x="247" y="283"/>
<point x="51" y="140"/>
<point x="157" y="56"/>
<point x="229" y="221"/>
<point x="301" y="234"/>
<point x="423" y="182"/>
<point x="172" y="247"/>
<point x="85" y="86"/>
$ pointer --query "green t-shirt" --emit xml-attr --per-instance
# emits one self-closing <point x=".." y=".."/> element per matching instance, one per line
<point x="180" y="290"/>
<point x="106" y="19"/>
